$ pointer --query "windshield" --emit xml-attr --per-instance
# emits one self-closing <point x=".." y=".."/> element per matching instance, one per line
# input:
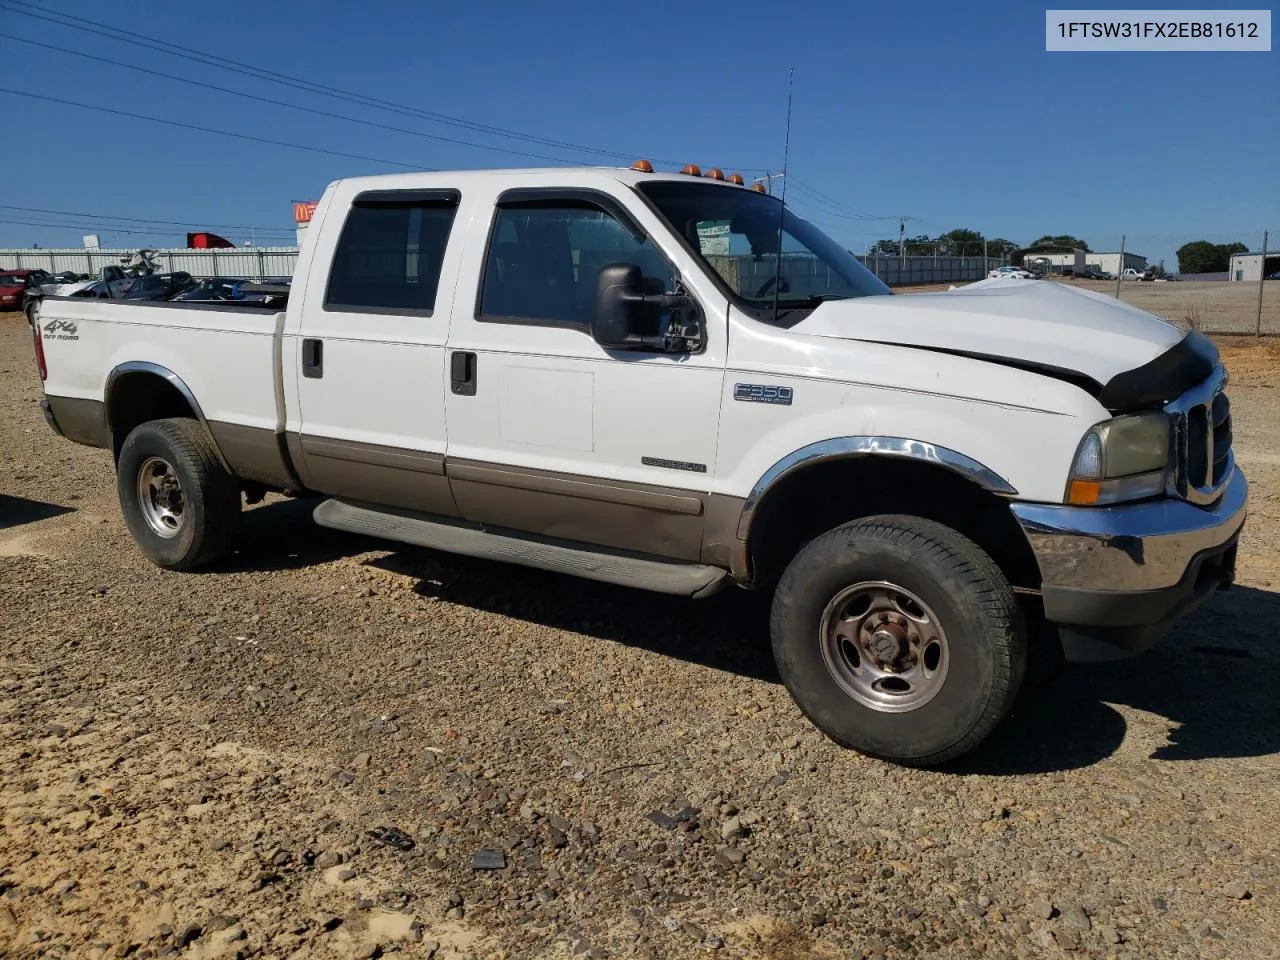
<point x="735" y="233"/>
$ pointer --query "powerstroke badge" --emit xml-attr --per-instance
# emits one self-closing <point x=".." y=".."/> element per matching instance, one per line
<point x="762" y="393"/>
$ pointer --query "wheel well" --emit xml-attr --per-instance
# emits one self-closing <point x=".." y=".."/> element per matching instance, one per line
<point x="136" y="398"/>
<point x="816" y="499"/>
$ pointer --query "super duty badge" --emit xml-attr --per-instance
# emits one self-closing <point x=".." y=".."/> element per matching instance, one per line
<point x="762" y="393"/>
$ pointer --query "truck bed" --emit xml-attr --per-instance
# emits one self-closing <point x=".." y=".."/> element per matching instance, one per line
<point x="227" y="355"/>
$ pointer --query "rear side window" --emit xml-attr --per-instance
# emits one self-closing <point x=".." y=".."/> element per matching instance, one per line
<point x="390" y="253"/>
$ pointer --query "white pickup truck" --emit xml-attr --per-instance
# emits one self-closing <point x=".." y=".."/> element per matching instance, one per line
<point x="614" y="374"/>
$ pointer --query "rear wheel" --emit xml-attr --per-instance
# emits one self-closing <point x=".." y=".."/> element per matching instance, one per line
<point x="899" y="638"/>
<point x="181" y="507"/>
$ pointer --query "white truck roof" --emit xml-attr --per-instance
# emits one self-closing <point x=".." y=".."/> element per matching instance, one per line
<point x="563" y="175"/>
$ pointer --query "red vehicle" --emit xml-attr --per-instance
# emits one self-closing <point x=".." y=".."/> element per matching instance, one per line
<point x="13" y="283"/>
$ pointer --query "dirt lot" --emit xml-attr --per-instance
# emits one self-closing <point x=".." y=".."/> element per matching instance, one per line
<point x="1212" y="307"/>
<point x="191" y="764"/>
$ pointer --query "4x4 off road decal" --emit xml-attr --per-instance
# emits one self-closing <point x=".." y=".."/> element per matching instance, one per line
<point x="60" y="330"/>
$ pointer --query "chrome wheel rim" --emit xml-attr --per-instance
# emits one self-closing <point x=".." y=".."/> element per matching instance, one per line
<point x="160" y="497"/>
<point x="884" y="646"/>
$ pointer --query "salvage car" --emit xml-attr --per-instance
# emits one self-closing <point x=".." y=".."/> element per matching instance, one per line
<point x="157" y="286"/>
<point x="14" y="285"/>
<point x="1010" y="273"/>
<point x="566" y="369"/>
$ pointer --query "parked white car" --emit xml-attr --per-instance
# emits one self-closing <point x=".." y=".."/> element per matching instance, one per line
<point x="1010" y="273"/>
<point x="566" y="369"/>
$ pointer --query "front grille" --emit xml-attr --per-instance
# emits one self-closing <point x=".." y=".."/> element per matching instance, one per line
<point x="1202" y="440"/>
<point x="1221" y="437"/>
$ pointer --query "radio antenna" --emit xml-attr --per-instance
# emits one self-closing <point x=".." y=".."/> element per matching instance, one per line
<point x="782" y="206"/>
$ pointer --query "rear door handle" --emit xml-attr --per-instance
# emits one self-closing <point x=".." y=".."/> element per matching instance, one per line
<point x="312" y="358"/>
<point x="462" y="373"/>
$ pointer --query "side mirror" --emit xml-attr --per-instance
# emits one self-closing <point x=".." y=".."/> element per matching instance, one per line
<point x="620" y="306"/>
<point x="626" y="315"/>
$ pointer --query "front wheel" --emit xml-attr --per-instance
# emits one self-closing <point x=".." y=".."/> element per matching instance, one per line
<point x="900" y="638"/>
<point x="181" y="507"/>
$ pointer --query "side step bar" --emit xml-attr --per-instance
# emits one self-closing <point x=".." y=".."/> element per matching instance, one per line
<point x="681" y="579"/>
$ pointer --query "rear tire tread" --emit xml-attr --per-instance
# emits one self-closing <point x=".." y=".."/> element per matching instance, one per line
<point x="214" y="501"/>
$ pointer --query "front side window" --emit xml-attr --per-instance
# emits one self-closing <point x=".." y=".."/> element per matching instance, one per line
<point x="545" y="257"/>
<point x="389" y="256"/>
<point x="735" y="232"/>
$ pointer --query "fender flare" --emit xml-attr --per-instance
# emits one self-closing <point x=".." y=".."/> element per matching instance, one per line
<point x="164" y="373"/>
<point x="844" y="448"/>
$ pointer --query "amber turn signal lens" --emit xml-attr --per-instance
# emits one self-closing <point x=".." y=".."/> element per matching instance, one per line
<point x="736" y="178"/>
<point x="692" y="169"/>
<point x="642" y="166"/>
<point x="1084" y="492"/>
<point x="715" y="173"/>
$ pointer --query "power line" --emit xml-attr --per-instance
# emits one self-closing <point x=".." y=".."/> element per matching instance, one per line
<point x="805" y="202"/>
<point x="836" y="205"/>
<point x="284" y="103"/>
<point x="221" y="133"/>
<point x="83" y="227"/>
<point x="224" y="63"/>
<point x="144" y="220"/>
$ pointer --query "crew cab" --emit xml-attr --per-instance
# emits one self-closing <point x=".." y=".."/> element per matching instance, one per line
<point x="672" y="382"/>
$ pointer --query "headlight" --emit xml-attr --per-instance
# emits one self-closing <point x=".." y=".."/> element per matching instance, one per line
<point x="1121" y="459"/>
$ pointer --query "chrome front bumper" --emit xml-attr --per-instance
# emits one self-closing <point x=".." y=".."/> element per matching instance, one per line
<point x="1125" y="572"/>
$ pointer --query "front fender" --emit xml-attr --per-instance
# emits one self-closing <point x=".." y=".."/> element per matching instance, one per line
<point x="841" y="448"/>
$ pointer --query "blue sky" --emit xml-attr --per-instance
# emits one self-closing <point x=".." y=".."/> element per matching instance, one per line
<point x="951" y="113"/>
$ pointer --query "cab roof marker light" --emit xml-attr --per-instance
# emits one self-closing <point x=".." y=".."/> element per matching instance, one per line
<point x="692" y="170"/>
<point x="642" y="166"/>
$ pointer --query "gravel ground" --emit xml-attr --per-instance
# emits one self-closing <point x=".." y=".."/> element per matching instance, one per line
<point x="202" y="765"/>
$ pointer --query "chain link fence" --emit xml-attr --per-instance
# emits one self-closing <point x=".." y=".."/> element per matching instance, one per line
<point x="1232" y="297"/>
<point x="253" y="263"/>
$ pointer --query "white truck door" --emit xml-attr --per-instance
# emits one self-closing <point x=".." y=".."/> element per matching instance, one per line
<point x="551" y="433"/>
<point x="369" y="351"/>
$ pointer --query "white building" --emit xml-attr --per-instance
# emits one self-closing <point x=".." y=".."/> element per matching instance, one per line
<point x="1106" y="262"/>
<point x="1248" y="266"/>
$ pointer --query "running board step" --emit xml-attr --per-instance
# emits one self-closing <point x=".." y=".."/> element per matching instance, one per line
<point x="681" y="579"/>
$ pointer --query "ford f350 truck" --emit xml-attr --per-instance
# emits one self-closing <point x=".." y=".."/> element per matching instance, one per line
<point x="670" y="381"/>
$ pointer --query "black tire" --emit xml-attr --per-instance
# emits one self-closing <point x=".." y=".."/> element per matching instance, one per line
<point x="208" y="505"/>
<point x="957" y="584"/>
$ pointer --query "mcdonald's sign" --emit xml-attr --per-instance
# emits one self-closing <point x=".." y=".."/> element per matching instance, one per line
<point x="303" y="211"/>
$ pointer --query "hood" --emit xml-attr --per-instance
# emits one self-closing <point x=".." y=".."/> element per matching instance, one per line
<point x="1036" y="324"/>
<point x="64" y="289"/>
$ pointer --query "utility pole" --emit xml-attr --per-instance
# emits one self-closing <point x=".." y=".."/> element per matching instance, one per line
<point x="1262" y="279"/>
<point x="768" y="179"/>
<point x="1120" y="268"/>
<point x="902" y="231"/>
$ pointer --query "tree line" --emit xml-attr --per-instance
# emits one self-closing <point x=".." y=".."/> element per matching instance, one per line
<point x="1201" y="256"/>
<point x="963" y="242"/>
